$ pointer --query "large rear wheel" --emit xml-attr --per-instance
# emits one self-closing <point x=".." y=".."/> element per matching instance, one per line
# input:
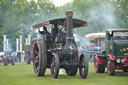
<point x="54" y="65"/>
<point x="39" y="58"/>
<point x="83" y="69"/>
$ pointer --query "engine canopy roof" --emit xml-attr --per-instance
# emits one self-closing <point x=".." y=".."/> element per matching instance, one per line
<point x="61" y="21"/>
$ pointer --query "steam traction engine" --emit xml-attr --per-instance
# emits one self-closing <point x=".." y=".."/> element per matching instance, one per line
<point x="58" y="49"/>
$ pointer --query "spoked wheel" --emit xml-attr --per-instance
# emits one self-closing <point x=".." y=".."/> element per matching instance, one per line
<point x="71" y="72"/>
<point x="54" y="65"/>
<point x="111" y="67"/>
<point x="39" y="58"/>
<point x="83" y="69"/>
<point x="99" y="68"/>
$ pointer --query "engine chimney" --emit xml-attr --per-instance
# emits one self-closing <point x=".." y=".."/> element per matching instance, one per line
<point x="70" y="50"/>
<point x="69" y="27"/>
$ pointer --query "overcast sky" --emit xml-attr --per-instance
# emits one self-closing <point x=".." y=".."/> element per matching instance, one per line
<point x="60" y="2"/>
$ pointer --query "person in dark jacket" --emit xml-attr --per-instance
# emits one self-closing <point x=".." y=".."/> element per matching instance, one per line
<point x="44" y="32"/>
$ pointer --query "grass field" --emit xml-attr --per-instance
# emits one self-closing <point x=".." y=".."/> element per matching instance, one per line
<point x="22" y="74"/>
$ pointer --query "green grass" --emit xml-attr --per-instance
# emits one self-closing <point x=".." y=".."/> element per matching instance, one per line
<point x="22" y="74"/>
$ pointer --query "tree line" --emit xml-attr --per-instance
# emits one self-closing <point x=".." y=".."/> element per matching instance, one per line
<point x="18" y="16"/>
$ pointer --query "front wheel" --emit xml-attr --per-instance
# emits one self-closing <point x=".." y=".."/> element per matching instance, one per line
<point x="111" y="67"/>
<point x="83" y="69"/>
<point x="54" y="65"/>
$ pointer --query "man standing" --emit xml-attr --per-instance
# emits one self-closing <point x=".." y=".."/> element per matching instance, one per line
<point x="44" y="32"/>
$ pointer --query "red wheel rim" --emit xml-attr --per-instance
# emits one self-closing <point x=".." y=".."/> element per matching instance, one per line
<point x="109" y="66"/>
<point x="53" y="65"/>
<point x="95" y="64"/>
<point x="36" y="58"/>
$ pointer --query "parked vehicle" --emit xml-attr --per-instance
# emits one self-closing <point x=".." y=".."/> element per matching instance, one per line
<point x="96" y="41"/>
<point x="8" y="58"/>
<point x="113" y="53"/>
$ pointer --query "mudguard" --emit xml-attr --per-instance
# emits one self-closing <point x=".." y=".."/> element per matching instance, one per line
<point x="100" y="60"/>
<point x="112" y="58"/>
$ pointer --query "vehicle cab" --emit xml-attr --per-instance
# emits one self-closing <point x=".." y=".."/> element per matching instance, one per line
<point x="117" y="49"/>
